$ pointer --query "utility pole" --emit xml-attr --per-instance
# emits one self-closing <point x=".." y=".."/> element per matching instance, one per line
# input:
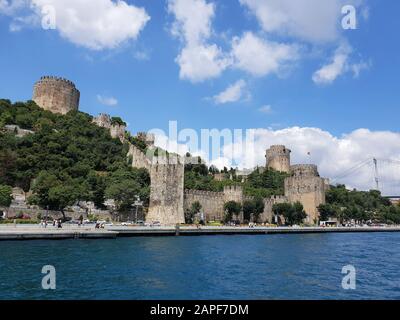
<point x="376" y="173"/>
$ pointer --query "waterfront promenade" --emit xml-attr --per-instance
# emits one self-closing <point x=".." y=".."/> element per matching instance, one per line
<point x="36" y="232"/>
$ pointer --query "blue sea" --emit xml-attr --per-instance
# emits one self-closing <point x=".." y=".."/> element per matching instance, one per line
<point x="207" y="267"/>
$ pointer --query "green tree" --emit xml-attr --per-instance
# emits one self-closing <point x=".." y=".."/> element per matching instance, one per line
<point x="124" y="186"/>
<point x="327" y="211"/>
<point x="65" y="150"/>
<point x="258" y="208"/>
<point x="253" y="207"/>
<point x="293" y="213"/>
<point x="248" y="209"/>
<point x="5" y="195"/>
<point x="191" y="213"/>
<point x="231" y="208"/>
<point x="62" y="196"/>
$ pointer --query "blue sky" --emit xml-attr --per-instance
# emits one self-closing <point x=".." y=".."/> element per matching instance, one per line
<point x="267" y="52"/>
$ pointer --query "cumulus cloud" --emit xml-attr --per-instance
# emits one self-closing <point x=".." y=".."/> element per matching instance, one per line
<point x="10" y="7"/>
<point x="260" y="57"/>
<point x="334" y="155"/>
<point x="339" y="65"/>
<point x="107" y="101"/>
<point x="310" y="20"/>
<point x="95" y="24"/>
<point x="199" y="60"/>
<point x="233" y="93"/>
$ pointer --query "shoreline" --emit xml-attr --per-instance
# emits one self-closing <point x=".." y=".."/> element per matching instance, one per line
<point x="35" y="232"/>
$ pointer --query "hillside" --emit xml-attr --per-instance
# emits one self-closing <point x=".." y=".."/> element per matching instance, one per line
<point x="65" y="159"/>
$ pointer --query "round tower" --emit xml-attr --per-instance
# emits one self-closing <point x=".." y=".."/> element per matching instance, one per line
<point x="278" y="158"/>
<point x="57" y="95"/>
<point x="304" y="170"/>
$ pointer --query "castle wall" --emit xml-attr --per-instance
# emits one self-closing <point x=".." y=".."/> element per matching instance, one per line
<point x="278" y="158"/>
<point x="57" y="95"/>
<point x="306" y="186"/>
<point x="116" y="131"/>
<point x="167" y="186"/>
<point x="268" y="215"/>
<point x="233" y="193"/>
<point x="166" y="191"/>
<point x="212" y="203"/>
<point x="139" y="159"/>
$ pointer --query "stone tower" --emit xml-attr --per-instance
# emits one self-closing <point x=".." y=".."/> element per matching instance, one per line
<point x="116" y="130"/>
<point x="278" y="158"/>
<point x="233" y="193"/>
<point x="57" y="95"/>
<point x="167" y="190"/>
<point x="306" y="186"/>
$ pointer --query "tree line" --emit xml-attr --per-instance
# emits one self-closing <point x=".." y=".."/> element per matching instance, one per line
<point x="67" y="159"/>
<point x="360" y="206"/>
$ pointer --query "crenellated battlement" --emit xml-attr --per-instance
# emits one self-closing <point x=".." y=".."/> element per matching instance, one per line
<point x="278" y="158"/>
<point x="276" y="199"/>
<point x="236" y="188"/>
<point x="116" y="130"/>
<point x="57" y="95"/>
<point x="203" y="193"/>
<point x="147" y="138"/>
<point x="50" y="79"/>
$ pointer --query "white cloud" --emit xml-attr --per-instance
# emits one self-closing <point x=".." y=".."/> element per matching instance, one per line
<point x="192" y="20"/>
<point x="358" y="67"/>
<point x="267" y="109"/>
<point x="309" y="20"/>
<point x="202" y="62"/>
<point x="18" y="23"/>
<point x="260" y="57"/>
<point x="339" y="65"/>
<point x="231" y="94"/>
<point x="329" y="72"/>
<point x="333" y="155"/>
<point x="95" y="24"/>
<point x="10" y="7"/>
<point x="198" y="60"/>
<point x="107" y="101"/>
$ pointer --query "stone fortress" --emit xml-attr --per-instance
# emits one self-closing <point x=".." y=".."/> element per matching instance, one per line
<point x="55" y="94"/>
<point x="168" y="199"/>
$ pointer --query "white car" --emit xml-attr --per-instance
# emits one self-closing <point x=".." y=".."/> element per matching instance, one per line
<point x="128" y="223"/>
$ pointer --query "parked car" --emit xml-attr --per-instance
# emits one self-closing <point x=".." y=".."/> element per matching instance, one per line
<point x="127" y="223"/>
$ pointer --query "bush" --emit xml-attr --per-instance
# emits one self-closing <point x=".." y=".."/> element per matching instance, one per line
<point x="19" y="221"/>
